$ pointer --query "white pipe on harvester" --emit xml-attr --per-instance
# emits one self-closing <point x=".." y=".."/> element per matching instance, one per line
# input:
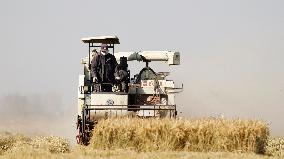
<point x="173" y="58"/>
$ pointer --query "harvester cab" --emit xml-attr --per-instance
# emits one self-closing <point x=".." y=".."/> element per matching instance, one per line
<point x="146" y="94"/>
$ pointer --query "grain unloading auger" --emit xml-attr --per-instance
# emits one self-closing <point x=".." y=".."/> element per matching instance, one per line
<point x="146" y="94"/>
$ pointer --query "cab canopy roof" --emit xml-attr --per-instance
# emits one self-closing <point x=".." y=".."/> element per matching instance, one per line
<point x="101" y="39"/>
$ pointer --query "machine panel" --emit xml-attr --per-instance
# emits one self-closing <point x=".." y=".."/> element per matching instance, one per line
<point x="109" y="99"/>
<point x="107" y="103"/>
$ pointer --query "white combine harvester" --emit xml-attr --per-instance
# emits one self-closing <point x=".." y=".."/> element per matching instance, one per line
<point x="147" y="94"/>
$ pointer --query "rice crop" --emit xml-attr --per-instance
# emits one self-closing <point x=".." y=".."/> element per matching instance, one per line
<point x="14" y="143"/>
<point x="206" y="134"/>
<point x="275" y="147"/>
<point x="171" y="138"/>
<point x="9" y="141"/>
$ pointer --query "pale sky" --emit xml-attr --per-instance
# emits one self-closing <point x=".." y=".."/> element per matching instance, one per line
<point x="232" y="51"/>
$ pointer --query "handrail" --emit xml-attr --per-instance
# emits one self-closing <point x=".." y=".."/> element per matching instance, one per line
<point x="131" y="107"/>
<point x="153" y="105"/>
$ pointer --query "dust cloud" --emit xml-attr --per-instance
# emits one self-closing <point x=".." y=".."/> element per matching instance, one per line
<point x="37" y="114"/>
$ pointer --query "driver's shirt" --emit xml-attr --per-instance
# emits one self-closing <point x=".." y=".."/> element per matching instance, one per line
<point x="103" y="67"/>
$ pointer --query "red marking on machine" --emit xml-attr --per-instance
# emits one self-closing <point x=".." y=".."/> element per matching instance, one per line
<point x="144" y="83"/>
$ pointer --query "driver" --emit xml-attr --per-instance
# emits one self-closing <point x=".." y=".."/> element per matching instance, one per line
<point x="103" y="66"/>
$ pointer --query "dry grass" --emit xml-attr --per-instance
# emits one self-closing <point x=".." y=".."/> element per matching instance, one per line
<point x="208" y="134"/>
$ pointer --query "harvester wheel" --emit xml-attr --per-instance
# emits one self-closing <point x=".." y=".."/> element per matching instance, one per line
<point x="79" y="139"/>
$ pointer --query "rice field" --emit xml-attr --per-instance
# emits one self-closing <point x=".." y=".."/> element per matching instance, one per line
<point x="201" y="135"/>
<point x="153" y="138"/>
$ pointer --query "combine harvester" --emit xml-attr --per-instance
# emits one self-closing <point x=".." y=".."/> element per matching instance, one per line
<point x="147" y="94"/>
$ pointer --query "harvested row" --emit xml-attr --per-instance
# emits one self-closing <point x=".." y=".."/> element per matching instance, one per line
<point x="207" y="134"/>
